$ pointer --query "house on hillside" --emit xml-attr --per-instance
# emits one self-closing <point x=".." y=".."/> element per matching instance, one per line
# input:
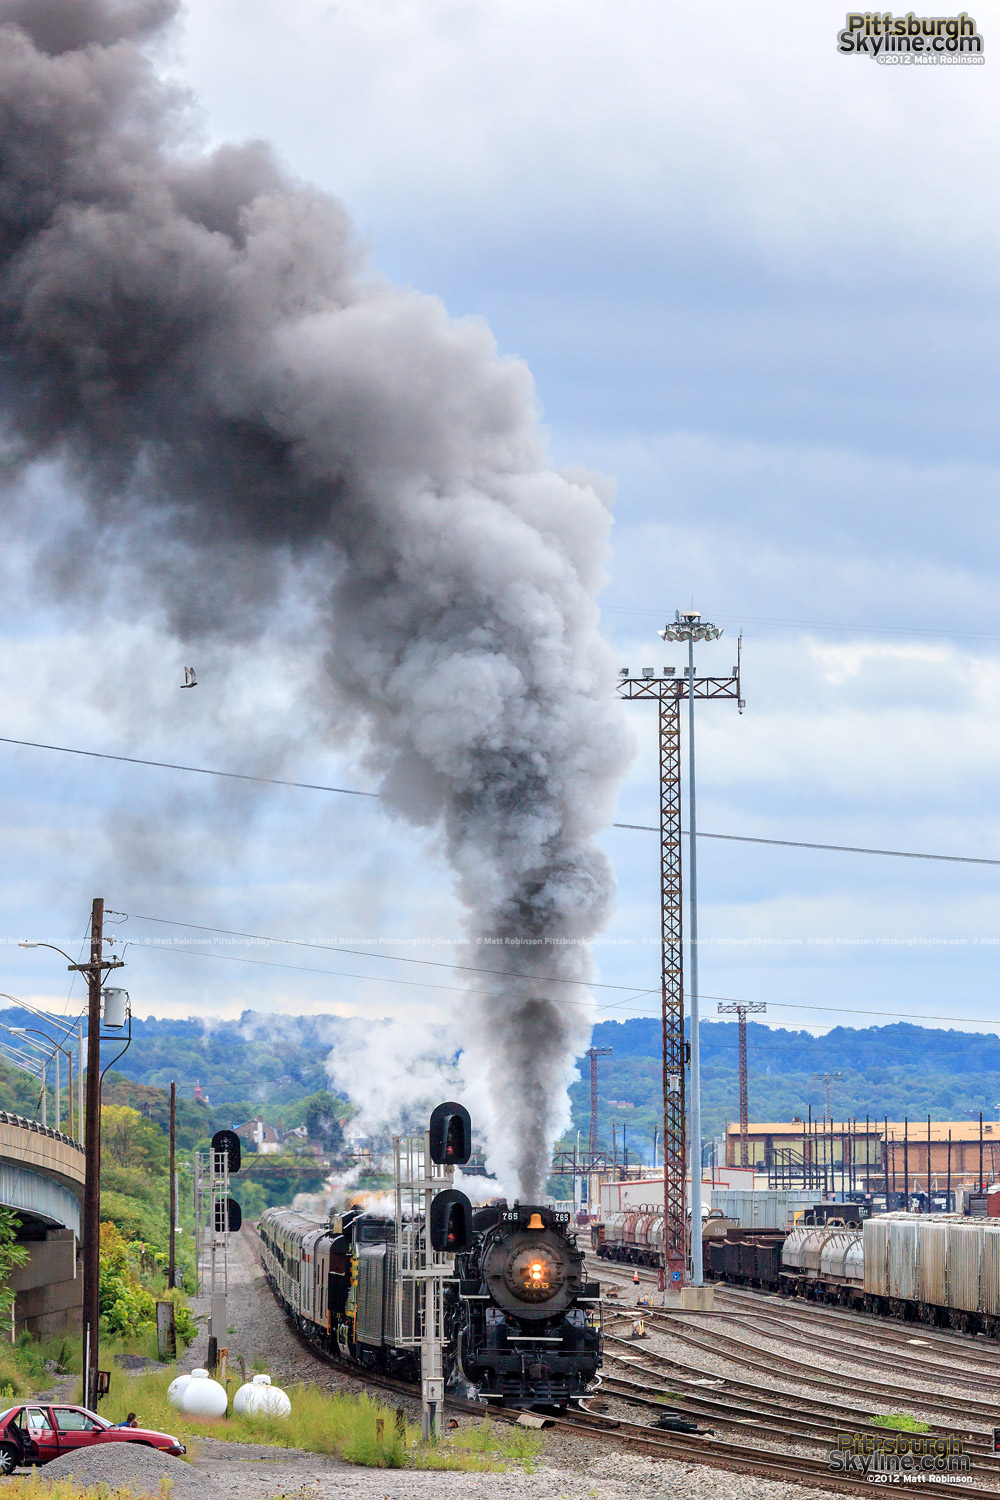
<point x="263" y="1139"/>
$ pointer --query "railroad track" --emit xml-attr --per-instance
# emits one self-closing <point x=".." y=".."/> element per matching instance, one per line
<point x="948" y="1340"/>
<point x="742" y="1404"/>
<point x="634" y="1437"/>
<point x="959" y="1373"/>
<point x="750" y="1356"/>
<point x="739" y="1459"/>
<point x="892" y="1330"/>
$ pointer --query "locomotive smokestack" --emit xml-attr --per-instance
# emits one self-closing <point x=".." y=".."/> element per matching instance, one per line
<point x="193" y="341"/>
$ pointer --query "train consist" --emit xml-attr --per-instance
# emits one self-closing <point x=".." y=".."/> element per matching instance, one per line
<point x="936" y="1268"/>
<point x="522" y="1325"/>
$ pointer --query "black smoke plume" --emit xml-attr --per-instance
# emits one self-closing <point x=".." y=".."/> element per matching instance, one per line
<point x="193" y="339"/>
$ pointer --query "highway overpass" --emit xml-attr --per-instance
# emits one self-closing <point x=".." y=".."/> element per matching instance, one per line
<point x="41" y="1178"/>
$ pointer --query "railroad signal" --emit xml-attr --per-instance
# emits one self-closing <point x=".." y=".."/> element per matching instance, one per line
<point x="229" y="1142"/>
<point x="450" y="1135"/>
<point x="228" y="1216"/>
<point x="451" y="1222"/>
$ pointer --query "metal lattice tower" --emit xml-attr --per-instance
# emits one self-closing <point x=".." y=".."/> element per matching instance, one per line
<point x="594" y="1053"/>
<point x="420" y="1271"/>
<point x="669" y="692"/>
<point x="211" y="1232"/>
<point x="827" y="1079"/>
<point x="754" y="1007"/>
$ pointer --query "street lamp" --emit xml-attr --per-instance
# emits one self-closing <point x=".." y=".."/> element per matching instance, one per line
<point x="689" y="626"/>
<point x="55" y="1051"/>
<point x="53" y="1021"/>
<point x="43" y="1064"/>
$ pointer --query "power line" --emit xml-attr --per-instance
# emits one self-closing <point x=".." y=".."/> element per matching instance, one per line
<point x="266" y="963"/>
<point x="843" y="1010"/>
<point x="742" y="838"/>
<point x="347" y="791"/>
<point x="167" y="765"/>
<point x="396" y="958"/>
<point x="901" y="630"/>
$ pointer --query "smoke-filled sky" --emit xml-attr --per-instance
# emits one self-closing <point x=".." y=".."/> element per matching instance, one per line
<point x="755" y="282"/>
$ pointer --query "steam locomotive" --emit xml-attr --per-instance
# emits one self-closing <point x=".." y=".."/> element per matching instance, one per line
<point x="521" y="1322"/>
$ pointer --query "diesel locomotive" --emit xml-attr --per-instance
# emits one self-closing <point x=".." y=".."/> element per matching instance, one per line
<point x="521" y="1321"/>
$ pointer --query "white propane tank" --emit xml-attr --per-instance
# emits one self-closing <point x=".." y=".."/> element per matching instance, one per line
<point x="176" y="1389"/>
<point x="259" y="1398"/>
<point x="203" y="1397"/>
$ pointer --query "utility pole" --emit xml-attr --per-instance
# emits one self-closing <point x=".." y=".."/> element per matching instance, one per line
<point x="826" y="1079"/>
<point x="92" y="1183"/>
<point x="594" y="1053"/>
<point x="94" y="971"/>
<point x="171" y="1263"/>
<point x="754" y="1008"/>
<point x="667" y="692"/>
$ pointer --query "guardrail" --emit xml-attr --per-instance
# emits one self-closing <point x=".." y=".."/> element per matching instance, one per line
<point x="39" y="1129"/>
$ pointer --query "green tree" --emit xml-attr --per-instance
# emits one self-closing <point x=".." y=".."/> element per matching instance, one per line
<point x="130" y="1140"/>
<point x="11" y="1255"/>
<point x="322" y="1120"/>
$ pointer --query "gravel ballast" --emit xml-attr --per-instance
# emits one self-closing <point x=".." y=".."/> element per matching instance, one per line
<point x="140" y="1468"/>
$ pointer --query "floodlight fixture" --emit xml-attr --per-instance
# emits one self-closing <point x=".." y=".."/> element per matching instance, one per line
<point x="688" y="625"/>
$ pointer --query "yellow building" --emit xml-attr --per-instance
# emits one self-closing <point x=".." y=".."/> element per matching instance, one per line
<point x="865" y="1153"/>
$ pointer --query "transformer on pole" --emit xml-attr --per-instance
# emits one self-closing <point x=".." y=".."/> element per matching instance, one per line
<point x="668" y="692"/>
<point x="754" y="1008"/>
<point x="594" y="1053"/>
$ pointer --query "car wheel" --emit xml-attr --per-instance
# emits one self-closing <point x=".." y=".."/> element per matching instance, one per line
<point x="10" y="1457"/>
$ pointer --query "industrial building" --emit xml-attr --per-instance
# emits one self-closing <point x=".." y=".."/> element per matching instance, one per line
<point x="870" y="1155"/>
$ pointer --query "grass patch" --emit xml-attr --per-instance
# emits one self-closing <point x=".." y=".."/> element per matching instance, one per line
<point x="900" y="1421"/>
<point x="359" y="1429"/>
<point x="666" y="1396"/>
<point x="29" y="1487"/>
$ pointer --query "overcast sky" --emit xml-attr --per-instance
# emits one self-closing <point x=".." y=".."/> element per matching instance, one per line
<point x="756" y="282"/>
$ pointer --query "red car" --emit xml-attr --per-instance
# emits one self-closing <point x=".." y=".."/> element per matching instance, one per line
<point x="35" y="1432"/>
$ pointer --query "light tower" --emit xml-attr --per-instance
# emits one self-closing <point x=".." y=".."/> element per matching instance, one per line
<point x="753" y="1007"/>
<point x="594" y="1053"/>
<point x="826" y="1079"/>
<point x="667" y="691"/>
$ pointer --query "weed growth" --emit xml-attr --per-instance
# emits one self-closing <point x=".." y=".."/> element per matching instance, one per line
<point x="359" y="1429"/>
<point x="900" y="1421"/>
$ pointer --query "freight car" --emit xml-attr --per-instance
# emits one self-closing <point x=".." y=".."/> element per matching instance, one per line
<point x="634" y="1236"/>
<point x="934" y="1268"/>
<point x="522" y="1324"/>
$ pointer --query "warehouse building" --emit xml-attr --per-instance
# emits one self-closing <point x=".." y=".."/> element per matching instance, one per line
<point x="869" y="1155"/>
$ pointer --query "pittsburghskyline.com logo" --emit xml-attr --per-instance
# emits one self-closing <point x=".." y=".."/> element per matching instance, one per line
<point x="912" y="39"/>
